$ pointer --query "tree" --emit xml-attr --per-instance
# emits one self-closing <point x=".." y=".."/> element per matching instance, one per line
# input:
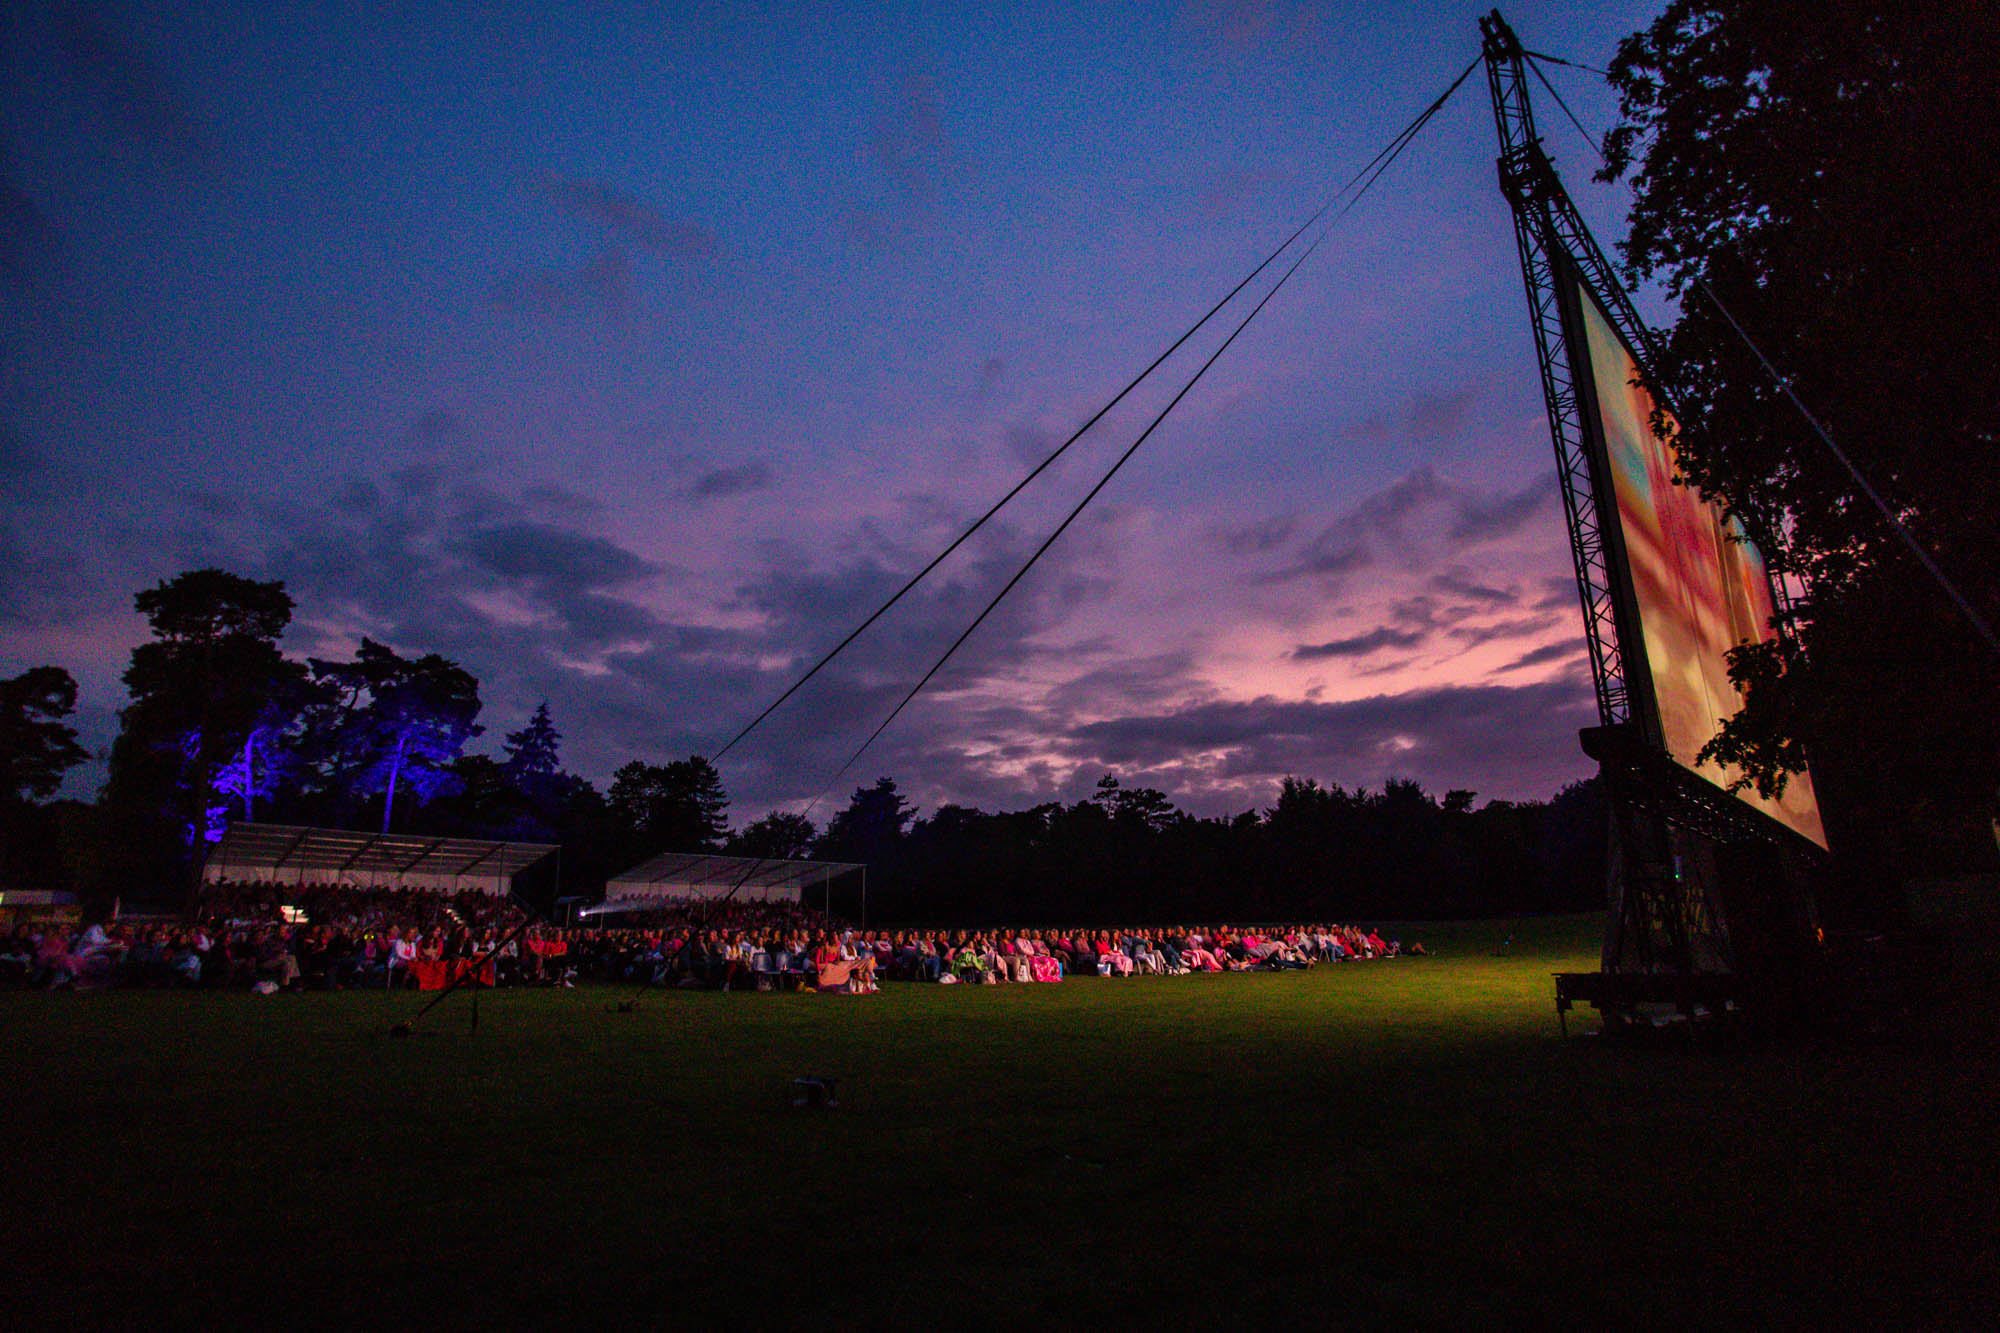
<point x="873" y="823"/>
<point x="268" y="762"/>
<point x="396" y="724"/>
<point x="679" y="806"/>
<point x="1807" y="164"/>
<point x="779" y="835"/>
<point x="534" y="765"/>
<point x="1128" y="806"/>
<point x="36" y="746"/>
<point x="533" y="751"/>
<point x="211" y="675"/>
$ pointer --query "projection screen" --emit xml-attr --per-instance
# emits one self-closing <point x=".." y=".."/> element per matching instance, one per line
<point x="1699" y="586"/>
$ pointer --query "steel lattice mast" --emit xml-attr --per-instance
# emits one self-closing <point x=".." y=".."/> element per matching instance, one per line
<point x="1549" y="233"/>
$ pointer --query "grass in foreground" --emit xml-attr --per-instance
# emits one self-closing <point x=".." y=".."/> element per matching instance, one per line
<point x="1395" y="1144"/>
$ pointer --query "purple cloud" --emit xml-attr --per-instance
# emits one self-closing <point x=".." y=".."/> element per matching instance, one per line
<point x="630" y="217"/>
<point x="1360" y="645"/>
<point x="721" y="483"/>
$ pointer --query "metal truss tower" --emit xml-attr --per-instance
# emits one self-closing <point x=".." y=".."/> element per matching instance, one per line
<point x="1549" y="233"/>
<point x="1669" y="937"/>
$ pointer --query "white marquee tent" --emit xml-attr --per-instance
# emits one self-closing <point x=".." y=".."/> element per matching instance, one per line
<point x="701" y="876"/>
<point x="289" y="854"/>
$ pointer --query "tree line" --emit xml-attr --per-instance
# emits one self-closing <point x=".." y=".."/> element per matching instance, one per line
<point x="221" y="725"/>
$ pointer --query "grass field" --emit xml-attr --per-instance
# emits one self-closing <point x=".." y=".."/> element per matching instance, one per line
<point x="1396" y="1144"/>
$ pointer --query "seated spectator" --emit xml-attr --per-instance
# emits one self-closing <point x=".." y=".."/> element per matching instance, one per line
<point x="967" y="965"/>
<point x="146" y="962"/>
<point x="273" y="960"/>
<point x="54" y="962"/>
<point x="401" y="951"/>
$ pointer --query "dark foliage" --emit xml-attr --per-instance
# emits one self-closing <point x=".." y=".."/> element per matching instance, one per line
<point x="393" y="726"/>
<point x="1320" y="853"/>
<point x="679" y="806"/>
<point x="210" y="677"/>
<point x="1824" y="170"/>
<point x="36" y="746"/>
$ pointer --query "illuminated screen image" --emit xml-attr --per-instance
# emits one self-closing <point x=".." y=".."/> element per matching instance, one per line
<point x="1701" y="587"/>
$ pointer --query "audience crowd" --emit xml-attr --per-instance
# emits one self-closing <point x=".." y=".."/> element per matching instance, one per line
<point x="333" y="936"/>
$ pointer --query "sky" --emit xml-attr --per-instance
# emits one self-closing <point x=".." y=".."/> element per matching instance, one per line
<point x="629" y="358"/>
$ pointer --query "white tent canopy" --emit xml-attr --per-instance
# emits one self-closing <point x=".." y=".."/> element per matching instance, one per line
<point x="701" y="876"/>
<point x="290" y="854"/>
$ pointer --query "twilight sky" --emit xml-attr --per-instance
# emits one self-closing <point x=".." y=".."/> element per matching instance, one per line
<point x="630" y="358"/>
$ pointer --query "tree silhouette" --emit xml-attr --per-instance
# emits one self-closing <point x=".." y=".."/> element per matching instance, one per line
<point x="1807" y="163"/>
<point x="397" y="724"/>
<point x="534" y="750"/>
<point x="873" y="824"/>
<point x="210" y="677"/>
<point x="679" y="806"/>
<point x="36" y="746"/>
<point x="779" y="835"/>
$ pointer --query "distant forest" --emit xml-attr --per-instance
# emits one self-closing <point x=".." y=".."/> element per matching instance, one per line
<point x="222" y="726"/>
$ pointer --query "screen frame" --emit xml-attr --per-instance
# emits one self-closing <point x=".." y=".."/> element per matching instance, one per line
<point x="1573" y="288"/>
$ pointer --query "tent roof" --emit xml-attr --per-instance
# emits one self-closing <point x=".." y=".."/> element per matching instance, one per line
<point x="248" y="849"/>
<point x="699" y="872"/>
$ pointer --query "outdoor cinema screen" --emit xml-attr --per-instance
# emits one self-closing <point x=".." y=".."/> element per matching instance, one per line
<point x="1699" y="585"/>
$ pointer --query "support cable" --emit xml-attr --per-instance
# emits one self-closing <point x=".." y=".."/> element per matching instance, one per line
<point x="1377" y="165"/>
<point x="1902" y="531"/>
<point x="1558" y="60"/>
<point x="1385" y="159"/>
<point x="1050" y="540"/>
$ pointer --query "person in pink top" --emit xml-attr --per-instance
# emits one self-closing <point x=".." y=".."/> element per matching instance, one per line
<point x="54" y="963"/>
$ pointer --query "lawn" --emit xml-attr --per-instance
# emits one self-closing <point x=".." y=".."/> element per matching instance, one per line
<point x="1397" y="1144"/>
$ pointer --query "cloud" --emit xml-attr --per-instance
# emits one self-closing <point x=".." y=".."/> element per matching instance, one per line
<point x="27" y="238"/>
<point x="1130" y="682"/>
<point x="1474" y="635"/>
<point x="1427" y="418"/>
<point x="1255" y="538"/>
<point x="1029" y="441"/>
<point x="1229" y="192"/>
<point x="871" y="229"/>
<point x="1460" y="583"/>
<point x="908" y="142"/>
<point x="213" y="504"/>
<point x="1564" y="651"/>
<point x="1421" y="518"/>
<point x="721" y="483"/>
<point x="1517" y="739"/>
<point x="20" y="457"/>
<point x="601" y="287"/>
<point x="134" y="93"/>
<point x="1557" y="591"/>
<point x="1241" y="27"/>
<point x="421" y="559"/>
<point x="549" y="498"/>
<point x="436" y="426"/>
<point x="551" y="556"/>
<point x="1424" y="611"/>
<point x="1331" y="553"/>
<point x="1360" y="645"/>
<point x="631" y="218"/>
<point x="1482" y="519"/>
<point x="909" y="146"/>
<point x="39" y="585"/>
